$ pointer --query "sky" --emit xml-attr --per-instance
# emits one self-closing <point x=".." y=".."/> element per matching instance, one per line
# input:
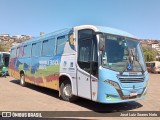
<point x="30" y="17"/>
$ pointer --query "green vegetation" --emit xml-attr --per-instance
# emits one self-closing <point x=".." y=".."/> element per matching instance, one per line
<point x="149" y="54"/>
<point x="4" y="47"/>
<point x="1" y="48"/>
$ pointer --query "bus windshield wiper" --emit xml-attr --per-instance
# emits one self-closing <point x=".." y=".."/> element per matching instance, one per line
<point x="132" y="58"/>
<point x="136" y="59"/>
<point x="126" y="67"/>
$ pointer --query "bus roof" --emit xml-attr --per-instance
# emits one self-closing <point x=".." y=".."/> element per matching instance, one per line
<point x="5" y="52"/>
<point x="103" y="29"/>
<point x="115" y="31"/>
<point x="49" y="35"/>
<point x="59" y="32"/>
<point x="108" y="30"/>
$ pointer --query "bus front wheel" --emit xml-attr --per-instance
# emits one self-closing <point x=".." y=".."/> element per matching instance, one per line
<point x="22" y="80"/>
<point x="66" y="92"/>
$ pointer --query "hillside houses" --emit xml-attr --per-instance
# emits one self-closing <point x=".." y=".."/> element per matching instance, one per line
<point x="8" y="41"/>
<point x="152" y="44"/>
<point x="13" y="39"/>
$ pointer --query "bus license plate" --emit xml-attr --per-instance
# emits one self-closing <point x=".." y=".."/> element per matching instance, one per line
<point x="133" y="94"/>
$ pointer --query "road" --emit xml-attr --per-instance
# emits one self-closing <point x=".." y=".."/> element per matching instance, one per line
<point x="13" y="97"/>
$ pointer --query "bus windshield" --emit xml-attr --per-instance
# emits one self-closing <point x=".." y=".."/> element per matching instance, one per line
<point x="122" y="54"/>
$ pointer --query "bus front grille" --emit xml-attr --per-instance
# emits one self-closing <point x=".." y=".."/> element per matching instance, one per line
<point x="131" y="80"/>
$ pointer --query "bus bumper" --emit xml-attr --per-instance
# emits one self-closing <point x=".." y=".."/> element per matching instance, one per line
<point x="109" y="94"/>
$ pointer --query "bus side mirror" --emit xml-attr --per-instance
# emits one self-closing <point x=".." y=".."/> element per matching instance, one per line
<point x="101" y="42"/>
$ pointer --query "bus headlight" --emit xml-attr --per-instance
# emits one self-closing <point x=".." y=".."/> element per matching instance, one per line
<point x="112" y="83"/>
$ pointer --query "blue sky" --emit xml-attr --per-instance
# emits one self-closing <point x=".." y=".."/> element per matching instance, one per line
<point x="30" y="17"/>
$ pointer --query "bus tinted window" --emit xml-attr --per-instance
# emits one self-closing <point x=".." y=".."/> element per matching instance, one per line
<point x="60" y="44"/>
<point x="48" y="47"/>
<point x="84" y="54"/>
<point x="85" y="34"/>
<point x="152" y="65"/>
<point x="27" y="50"/>
<point x="147" y="64"/>
<point x="6" y="59"/>
<point x="36" y="49"/>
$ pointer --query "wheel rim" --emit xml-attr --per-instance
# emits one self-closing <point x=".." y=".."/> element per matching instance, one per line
<point x="22" y="79"/>
<point x="67" y="91"/>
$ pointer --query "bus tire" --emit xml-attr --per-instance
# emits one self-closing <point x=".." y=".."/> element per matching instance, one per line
<point x="22" y="80"/>
<point x="66" y="91"/>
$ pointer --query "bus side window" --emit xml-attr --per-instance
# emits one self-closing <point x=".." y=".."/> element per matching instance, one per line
<point x="61" y="40"/>
<point x="36" y="49"/>
<point x="13" y="53"/>
<point x="17" y="52"/>
<point x="48" y="47"/>
<point x="84" y="55"/>
<point x="27" y="51"/>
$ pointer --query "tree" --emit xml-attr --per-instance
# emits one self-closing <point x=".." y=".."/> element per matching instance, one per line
<point x="149" y="54"/>
<point x="3" y="48"/>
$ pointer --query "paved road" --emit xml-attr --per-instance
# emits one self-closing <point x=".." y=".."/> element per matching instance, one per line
<point x="13" y="97"/>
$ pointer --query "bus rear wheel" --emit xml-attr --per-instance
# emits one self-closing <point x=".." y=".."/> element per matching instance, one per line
<point x="22" y="80"/>
<point x="66" y="92"/>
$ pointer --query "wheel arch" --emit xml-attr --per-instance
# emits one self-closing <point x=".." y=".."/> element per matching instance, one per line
<point x="21" y="72"/>
<point x="63" y="77"/>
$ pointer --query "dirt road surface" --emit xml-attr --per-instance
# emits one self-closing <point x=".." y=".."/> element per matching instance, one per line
<point x="13" y="97"/>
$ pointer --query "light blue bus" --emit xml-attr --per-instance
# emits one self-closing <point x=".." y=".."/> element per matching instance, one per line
<point x="101" y="64"/>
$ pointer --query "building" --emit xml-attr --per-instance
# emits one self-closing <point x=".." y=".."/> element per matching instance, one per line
<point x="4" y="35"/>
<point x="152" y="44"/>
<point x="9" y="41"/>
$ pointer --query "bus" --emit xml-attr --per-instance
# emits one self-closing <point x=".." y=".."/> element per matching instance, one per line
<point x="98" y="63"/>
<point x="4" y="59"/>
<point x="153" y="66"/>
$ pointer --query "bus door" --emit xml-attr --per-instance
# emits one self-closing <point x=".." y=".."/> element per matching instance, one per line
<point x="83" y="69"/>
<point x="87" y="55"/>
